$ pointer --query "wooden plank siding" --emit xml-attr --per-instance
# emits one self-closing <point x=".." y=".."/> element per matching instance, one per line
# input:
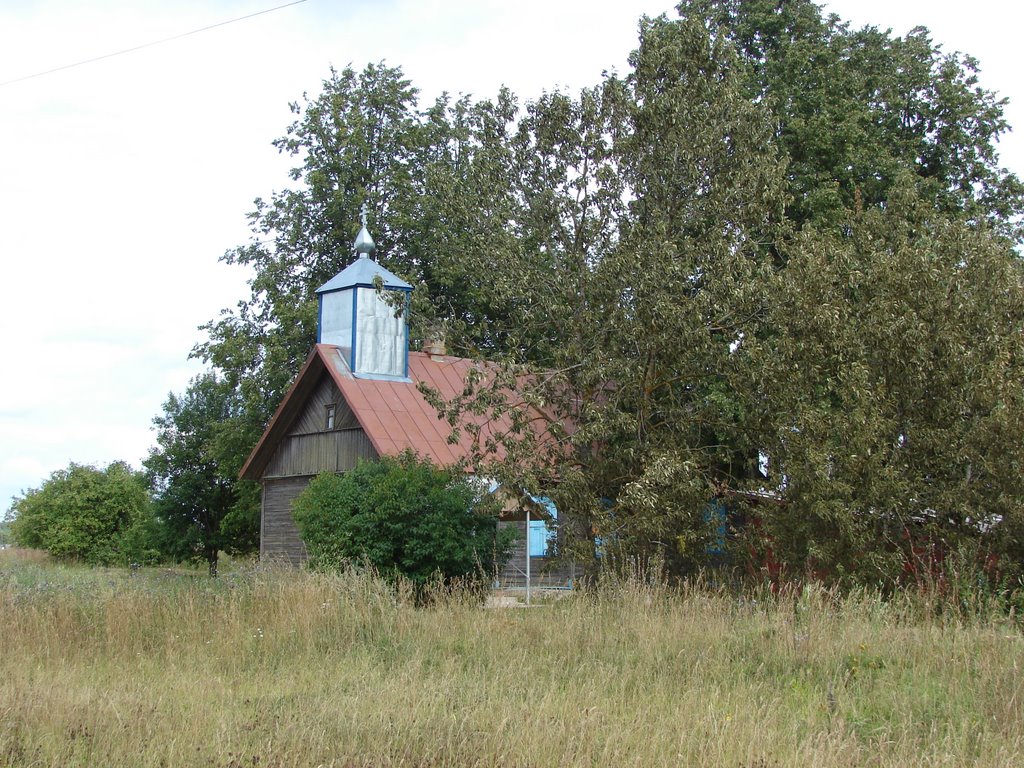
<point x="298" y="446"/>
<point x="308" y="449"/>
<point x="279" y="536"/>
<point x="314" y="416"/>
<point x="336" y="451"/>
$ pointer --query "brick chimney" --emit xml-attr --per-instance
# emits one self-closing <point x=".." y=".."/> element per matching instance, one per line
<point x="434" y="346"/>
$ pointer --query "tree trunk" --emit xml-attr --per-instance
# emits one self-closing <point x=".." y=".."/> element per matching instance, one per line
<point x="211" y="559"/>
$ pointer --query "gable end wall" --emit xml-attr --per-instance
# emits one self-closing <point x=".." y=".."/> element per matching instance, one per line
<point x="313" y="416"/>
<point x="307" y="450"/>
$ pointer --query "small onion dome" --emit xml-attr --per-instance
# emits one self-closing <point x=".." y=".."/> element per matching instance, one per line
<point x="364" y="243"/>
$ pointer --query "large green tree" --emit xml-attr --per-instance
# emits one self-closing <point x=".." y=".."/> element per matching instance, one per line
<point x="360" y="141"/>
<point x="866" y="350"/>
<point x="642" y="319"/>
<point x="203" y="509"/>
<point x="891" y="393"/>
<point x="855" y="108"/>
<point x="627" y="250"/>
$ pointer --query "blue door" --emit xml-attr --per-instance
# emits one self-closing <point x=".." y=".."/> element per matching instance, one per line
<point x="543" y="533"/>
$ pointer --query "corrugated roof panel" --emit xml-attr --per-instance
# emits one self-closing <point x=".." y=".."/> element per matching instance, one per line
<point x="389" y="396"/>
<point x="423" y="369"/>
<point x="388" y="448"/>
<point x="430" y="425"/>
<point x="411" y="398"/>
<point x="394" y="428"/>
<point x="448" y="380"/>
<point x="353" y="390"/>
<point x="415" y="434"/>
<point x="372" y="424"/>
<point x="442" y="452"/>
<point x="389" y="418"/>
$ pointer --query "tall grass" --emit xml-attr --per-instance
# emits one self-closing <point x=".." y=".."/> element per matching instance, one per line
<point x="284" y="668"/>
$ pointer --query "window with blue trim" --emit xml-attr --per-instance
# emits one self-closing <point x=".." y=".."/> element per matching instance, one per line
<point x="544" y="533"/>
<point x="716" y="516"/>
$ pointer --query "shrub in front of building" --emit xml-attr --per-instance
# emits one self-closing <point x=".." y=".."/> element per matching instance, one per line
<point x="405" y="518"/>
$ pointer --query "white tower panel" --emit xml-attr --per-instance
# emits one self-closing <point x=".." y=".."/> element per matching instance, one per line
<point x="336" y="319"/>
<point x="380" y="336"/>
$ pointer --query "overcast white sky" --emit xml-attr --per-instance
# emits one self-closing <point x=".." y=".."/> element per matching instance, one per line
<point x="123" y="181"/>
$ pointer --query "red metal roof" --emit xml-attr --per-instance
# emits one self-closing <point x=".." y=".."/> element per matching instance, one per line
<point x="394" y="414"/>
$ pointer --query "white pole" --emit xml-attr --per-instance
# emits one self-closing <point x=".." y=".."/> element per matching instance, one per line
<point x="527" y="555"/>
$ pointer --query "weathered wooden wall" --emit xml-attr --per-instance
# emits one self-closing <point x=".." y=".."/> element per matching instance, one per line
<point x="279" y="536"/>
<point x="313" y="417"/>
<point x="321" y="452"/>
<point x="308" y="450"/>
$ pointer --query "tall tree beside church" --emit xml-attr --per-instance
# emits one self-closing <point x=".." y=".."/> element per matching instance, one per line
<point x="462" y="190"/>
<point x="201" y="506"/>
<point x="629" y="242"/>
<point x="690" y="274"/>
<point x="646" y="312"/>
<point x="532" y="193"/>
<point x="686" y="353"/>
<point x="358" y="141"/>
<point x="362" y="140"/>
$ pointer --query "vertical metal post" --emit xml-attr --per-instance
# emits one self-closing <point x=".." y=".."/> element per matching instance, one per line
<point x="527" y="555"/>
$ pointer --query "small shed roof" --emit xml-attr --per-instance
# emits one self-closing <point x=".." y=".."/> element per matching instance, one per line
<point x="394" y="414"/>
<point x="362" y="272"/>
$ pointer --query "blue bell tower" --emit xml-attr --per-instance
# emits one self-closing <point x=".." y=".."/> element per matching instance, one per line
<point x="370" y="325"/>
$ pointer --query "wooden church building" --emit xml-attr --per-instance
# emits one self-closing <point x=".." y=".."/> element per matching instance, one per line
<point x="356" y="398"/>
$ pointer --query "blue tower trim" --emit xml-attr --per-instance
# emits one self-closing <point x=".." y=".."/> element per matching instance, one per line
<point x="374" y="349"/>
<point x="352" y="344"/>
<point x="405" y="315"/>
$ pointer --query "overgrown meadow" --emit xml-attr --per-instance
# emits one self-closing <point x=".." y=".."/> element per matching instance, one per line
<point x="285" y="668"/>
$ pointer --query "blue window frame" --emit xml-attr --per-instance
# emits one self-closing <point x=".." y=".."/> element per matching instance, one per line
<point x="715" y="515"/>
<point x="543" y="533"/>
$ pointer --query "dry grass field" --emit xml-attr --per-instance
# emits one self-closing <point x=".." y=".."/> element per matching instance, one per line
<point x="280" y="668"/>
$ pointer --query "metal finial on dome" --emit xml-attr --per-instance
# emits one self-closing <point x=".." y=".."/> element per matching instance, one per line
<point x="364" y="243"/>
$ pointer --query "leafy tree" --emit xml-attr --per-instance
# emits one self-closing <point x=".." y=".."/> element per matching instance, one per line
<point x="891" y="389"/>
<point x="358" y="142"/>
<point x="684" y="352"/>
<point x="404" y="517"/>
<point x="641" y="363"/>
<point x="198" y="500"/>
<point x="98" y="516"/>
<point x="622" y="256"/>
<point x="362" y="140"/>
<point x="528" y="194"/>
<point x="857" y="108"/>
<point x="465" y="196"/>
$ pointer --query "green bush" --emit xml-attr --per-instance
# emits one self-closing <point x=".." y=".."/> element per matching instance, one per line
<point x="403" y="517"/>
<point x="98" y="516"/>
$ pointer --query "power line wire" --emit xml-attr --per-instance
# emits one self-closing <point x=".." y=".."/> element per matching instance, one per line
<point x="148" y="45"/>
